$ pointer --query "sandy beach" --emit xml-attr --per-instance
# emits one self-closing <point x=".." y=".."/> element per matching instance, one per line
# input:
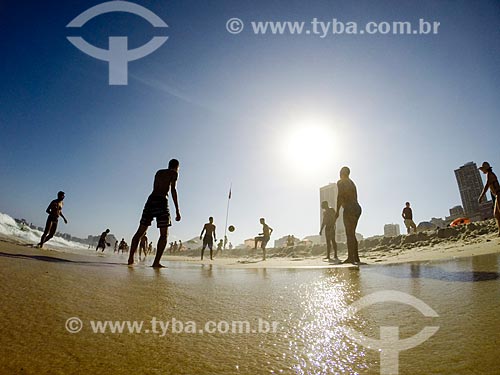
<point x="42" y="289"/>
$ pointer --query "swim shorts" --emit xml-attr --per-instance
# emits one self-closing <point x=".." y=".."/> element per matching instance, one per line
<point x="156" y="207"/>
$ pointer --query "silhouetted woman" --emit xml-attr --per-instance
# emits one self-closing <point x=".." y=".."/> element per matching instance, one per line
<point x="348" y="199"/>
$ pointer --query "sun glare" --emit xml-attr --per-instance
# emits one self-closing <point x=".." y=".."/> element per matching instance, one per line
<point x="310" y="147"/>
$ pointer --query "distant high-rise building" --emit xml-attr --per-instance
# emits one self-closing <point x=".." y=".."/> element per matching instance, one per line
<point x="391" y="230"/>
<point x="456" y="212"/>
<point x="329" y="193"/>
<point x="470" y="186"/>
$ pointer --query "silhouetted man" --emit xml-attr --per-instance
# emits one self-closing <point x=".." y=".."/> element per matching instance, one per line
<point x="143" y="245"/>
<point x="220" y="245"/>
<point x="494" y="186"/>
<point x="54" y="210"/>
<point x="263" y="237"/>
<point x="408" y="218"/>
<point x="329" y="225"/>
<point x="102" y="241"/>
<point x="157" y="207"/>
<point x="209" y="237"/>
<point x="122" y="246"/>
<point x="348" y="199"/>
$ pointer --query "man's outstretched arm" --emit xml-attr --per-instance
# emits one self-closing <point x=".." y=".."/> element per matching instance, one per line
<point x="66" y="221"/>
<point x="485" y="189"/>
<point x="340" y="199"/>
<point x="176" y="202"/>
<point x="202" y="231"/>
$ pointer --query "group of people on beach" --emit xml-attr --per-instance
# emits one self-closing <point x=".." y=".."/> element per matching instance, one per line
<point x="165" y="182"/>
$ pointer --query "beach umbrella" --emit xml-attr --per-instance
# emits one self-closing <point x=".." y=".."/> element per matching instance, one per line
<point x="460" y="221"/>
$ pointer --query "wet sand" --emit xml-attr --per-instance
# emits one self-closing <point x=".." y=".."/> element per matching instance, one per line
<point x="41" y="289"/>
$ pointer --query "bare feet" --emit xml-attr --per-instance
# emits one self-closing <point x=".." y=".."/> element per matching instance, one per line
<point x="158" y="265"/>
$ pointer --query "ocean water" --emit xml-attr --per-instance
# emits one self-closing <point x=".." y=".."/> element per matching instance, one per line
<point x="310" y="308"/>
<point x="9" y="228"/>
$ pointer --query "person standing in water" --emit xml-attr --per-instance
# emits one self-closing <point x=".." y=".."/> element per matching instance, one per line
<point x="122" y="246"/>
<point x="408" y="218"/>
<point x="348" y="199"/>
<point x="494" y="186"/>
<point x="209" y="238"/>
<point x="102" y="241"/>
<point x="157" y="207"/>
<point x="329" y="225"/>
<point x="54" y="210"/>
<point x="143" y="246"/>
<point x="263" y="237"/>
<point x="220" y="245"/>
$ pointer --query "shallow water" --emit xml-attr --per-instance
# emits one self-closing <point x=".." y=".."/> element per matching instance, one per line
<point x="309" y="306"/>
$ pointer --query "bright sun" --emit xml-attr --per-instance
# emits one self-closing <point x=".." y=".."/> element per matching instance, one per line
<point x="310" y="147"/>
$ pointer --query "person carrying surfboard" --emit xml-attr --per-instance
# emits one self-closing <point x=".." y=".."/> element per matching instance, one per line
<point x="55" y="211"/>
<point x="328" y="224"/>
<point x="157" y="207"/>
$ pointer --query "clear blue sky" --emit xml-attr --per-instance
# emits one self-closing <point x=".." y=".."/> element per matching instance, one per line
<point x="402" y="111"/>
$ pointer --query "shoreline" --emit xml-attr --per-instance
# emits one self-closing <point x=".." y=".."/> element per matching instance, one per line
<point x="486" y="244"/>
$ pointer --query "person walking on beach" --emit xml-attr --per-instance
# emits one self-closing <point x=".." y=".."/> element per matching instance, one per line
<point x="143" y="246"/>
<point x="209" y="238"/>
<point x="55" y="211"/>
<point x="174" y="249"/>
<point x="494" y="186"/>
<point x="102" y="241"/>
<point x="329" y="225"/>
<point x="157" y="207"/>
<point x="348" y="199"/>
<point x="408" y="218"/>
<point x="116" y="247"/>
<point x="263" y="237"/>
